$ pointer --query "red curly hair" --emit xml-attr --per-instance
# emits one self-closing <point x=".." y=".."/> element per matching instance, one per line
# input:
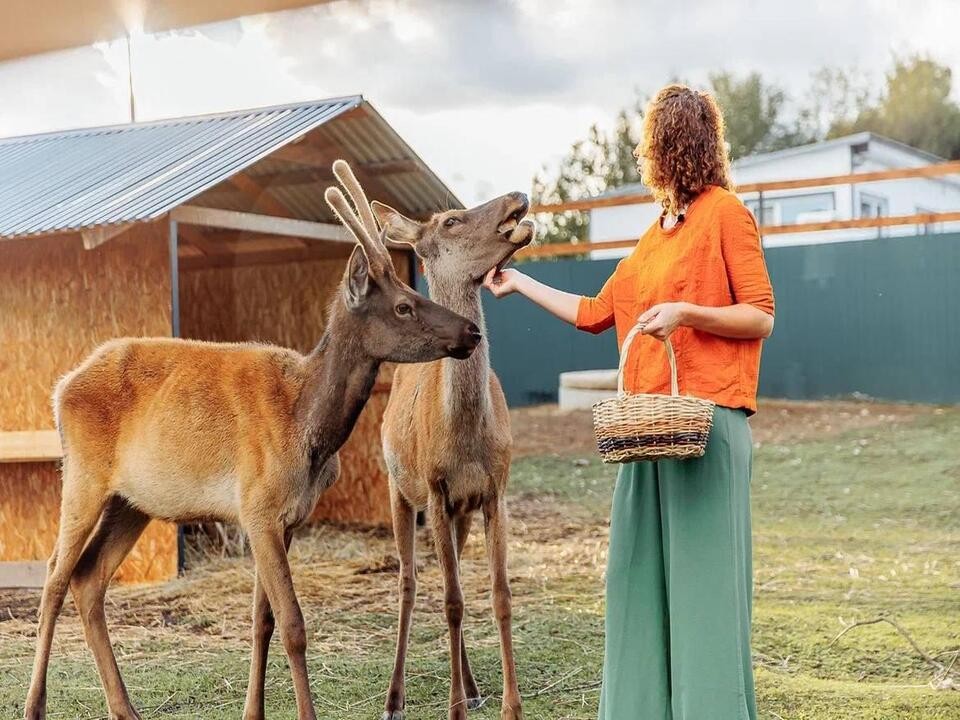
<point x="682" y="150"/>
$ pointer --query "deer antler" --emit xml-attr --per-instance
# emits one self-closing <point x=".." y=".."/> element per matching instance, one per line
<point x="344" y="174"/>
<point x="359" y="222"/>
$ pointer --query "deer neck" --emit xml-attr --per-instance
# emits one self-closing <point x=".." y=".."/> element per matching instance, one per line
<point x="466" y="383"/>
<point x="340" y="376"/>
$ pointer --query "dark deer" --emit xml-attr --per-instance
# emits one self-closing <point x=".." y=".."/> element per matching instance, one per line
<point x="245" y="433"/>
<point x="446" y="438"/>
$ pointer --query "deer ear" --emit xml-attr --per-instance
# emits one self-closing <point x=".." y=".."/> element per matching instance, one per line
<point x="358" y="277"/>
<point x="397" y="226"/>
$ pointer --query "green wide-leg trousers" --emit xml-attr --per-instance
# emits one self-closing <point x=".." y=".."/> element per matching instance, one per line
<point x="679" y="585"/>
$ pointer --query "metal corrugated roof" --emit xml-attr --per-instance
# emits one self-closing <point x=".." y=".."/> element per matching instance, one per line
<point x="80" y="179"/>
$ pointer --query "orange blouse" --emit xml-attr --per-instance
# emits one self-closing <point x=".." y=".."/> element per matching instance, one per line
<point x="713" y="258"/>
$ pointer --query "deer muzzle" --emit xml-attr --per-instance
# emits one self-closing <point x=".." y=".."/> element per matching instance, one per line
<point x="469" y="338"/>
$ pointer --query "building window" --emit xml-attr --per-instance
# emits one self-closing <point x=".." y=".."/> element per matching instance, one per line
<point x="791" y="209"/>
<point x="872" y="206"/>
<point x="928" y="228"/>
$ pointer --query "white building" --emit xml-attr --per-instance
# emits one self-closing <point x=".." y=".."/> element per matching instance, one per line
<point x="859" y="153"/>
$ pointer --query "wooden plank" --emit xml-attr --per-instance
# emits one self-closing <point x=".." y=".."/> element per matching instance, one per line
<point x="926" y="171"/>
<point x="265" y="224"/>
<point x="30" y="446"/>
<point x="28" y="574"/>
<point x="561" y="249"/>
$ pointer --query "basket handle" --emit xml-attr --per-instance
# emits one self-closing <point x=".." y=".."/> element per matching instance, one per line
<point x="671" y="359"/>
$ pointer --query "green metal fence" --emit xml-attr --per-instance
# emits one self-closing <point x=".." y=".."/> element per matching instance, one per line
<point x="877" y="317"/>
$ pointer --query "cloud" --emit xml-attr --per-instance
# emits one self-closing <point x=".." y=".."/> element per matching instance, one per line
<point x="471" y="53"/>
<point x="485" y="90"/>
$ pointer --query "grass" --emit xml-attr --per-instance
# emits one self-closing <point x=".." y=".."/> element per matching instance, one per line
<point x="846" y="529"/>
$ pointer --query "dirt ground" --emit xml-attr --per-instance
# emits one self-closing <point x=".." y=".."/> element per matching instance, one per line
<point x="184" y="644"/>
<point x="545" y="429"/>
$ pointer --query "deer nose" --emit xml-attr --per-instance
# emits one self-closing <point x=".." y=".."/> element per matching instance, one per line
<point x="522" y="199"/>
<point x="472" y="336"/>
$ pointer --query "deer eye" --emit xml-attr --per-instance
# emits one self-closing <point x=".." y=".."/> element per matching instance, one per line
<point x="451" y="221"/>
<point x="404" y="309"/>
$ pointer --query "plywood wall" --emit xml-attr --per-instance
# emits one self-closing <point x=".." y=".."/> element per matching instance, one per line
<point x="59" y="301"/>
<point x="286" y="304"/>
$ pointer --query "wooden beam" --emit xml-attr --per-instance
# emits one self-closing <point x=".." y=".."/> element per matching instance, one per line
<point x="298" y="176"/>
<point x="264" y="224"/>
<point x="30" y="446"/>
<point x="275" y="256"/>
<point x="303" y="153"/>
<point x="97" y="236"/>
<point x="390" y="167"/>
<point x="309" y="174"/>
<point x="310" y="155"/>
<point x="269" y="256"/>
<point x="560" y="249"/>
<point x="27" y="574"/>
<point x="259" y="196"/>
<point x="874" y="222"/>
<point x="926" y="171"/>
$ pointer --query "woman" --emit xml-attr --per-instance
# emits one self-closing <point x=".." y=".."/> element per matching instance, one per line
<point x="679" y="570"/>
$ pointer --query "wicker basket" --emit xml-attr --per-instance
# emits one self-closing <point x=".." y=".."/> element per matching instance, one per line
<point x="630" y="428"/>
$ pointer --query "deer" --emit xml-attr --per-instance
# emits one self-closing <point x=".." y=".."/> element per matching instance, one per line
<point x="247" y="433"/>
<point x="447" y="441"/>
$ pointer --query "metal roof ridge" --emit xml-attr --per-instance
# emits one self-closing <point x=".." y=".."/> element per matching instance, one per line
<point x="355" y="100"/>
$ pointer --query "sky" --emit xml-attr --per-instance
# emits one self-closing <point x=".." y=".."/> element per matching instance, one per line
<point x="486" y="91"/>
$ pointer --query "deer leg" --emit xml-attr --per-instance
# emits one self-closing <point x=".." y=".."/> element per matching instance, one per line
<point x="115" y="536"/>
<point x="404" y="534"/>
<point x="263" y="626"/>
<point x="495" y="526"/>
<point x="80" y="509"/>
<point x="273" y="571"/>
<point x="462" y="528"/>
<point x="442" y="526"/>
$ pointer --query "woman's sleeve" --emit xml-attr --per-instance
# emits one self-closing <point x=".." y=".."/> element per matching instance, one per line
<point x="595" y="314"/>
<point x="743" y="256"/>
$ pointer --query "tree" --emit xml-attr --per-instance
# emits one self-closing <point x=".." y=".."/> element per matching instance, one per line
<point x="591" y="166"/>
<point x="836" y="97"/>
<point x="914" y="108"/>
<point x="751" y="110"/>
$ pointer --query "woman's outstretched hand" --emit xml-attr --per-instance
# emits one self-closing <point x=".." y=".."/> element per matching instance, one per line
<point x="562" y="304"/>
<point x="502" y="282"/>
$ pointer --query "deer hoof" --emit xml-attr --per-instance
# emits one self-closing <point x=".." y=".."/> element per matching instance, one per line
<point x="509" y="713"/>
<point x="393" y="715"/>
<point x="475" y="703"/>
<point x="128" y="714"/>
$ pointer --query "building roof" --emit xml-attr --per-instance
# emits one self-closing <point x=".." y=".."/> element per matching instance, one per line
<point x="860" y="138"/>
<point x="79" y="179"/>
<point x="856" y="139"/>
<point x="40" y="26"/>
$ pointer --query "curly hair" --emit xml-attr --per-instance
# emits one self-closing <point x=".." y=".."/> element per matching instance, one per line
<point x="682" y="149"/>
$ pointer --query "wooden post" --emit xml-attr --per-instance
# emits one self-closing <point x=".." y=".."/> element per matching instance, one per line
<point x="175" y="332"/>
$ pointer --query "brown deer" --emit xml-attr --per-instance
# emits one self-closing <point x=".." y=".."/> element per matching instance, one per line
<point x="446" y="438"/>
<point x="245" y="433"/>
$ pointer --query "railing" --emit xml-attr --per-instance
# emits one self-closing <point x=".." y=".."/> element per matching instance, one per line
<point x="926" y="171"/>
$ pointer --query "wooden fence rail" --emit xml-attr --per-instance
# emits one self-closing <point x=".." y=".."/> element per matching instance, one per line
<point x="925" y="171"/>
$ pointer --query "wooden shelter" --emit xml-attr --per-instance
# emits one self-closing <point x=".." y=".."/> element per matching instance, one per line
<point x="210" y="227"/>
